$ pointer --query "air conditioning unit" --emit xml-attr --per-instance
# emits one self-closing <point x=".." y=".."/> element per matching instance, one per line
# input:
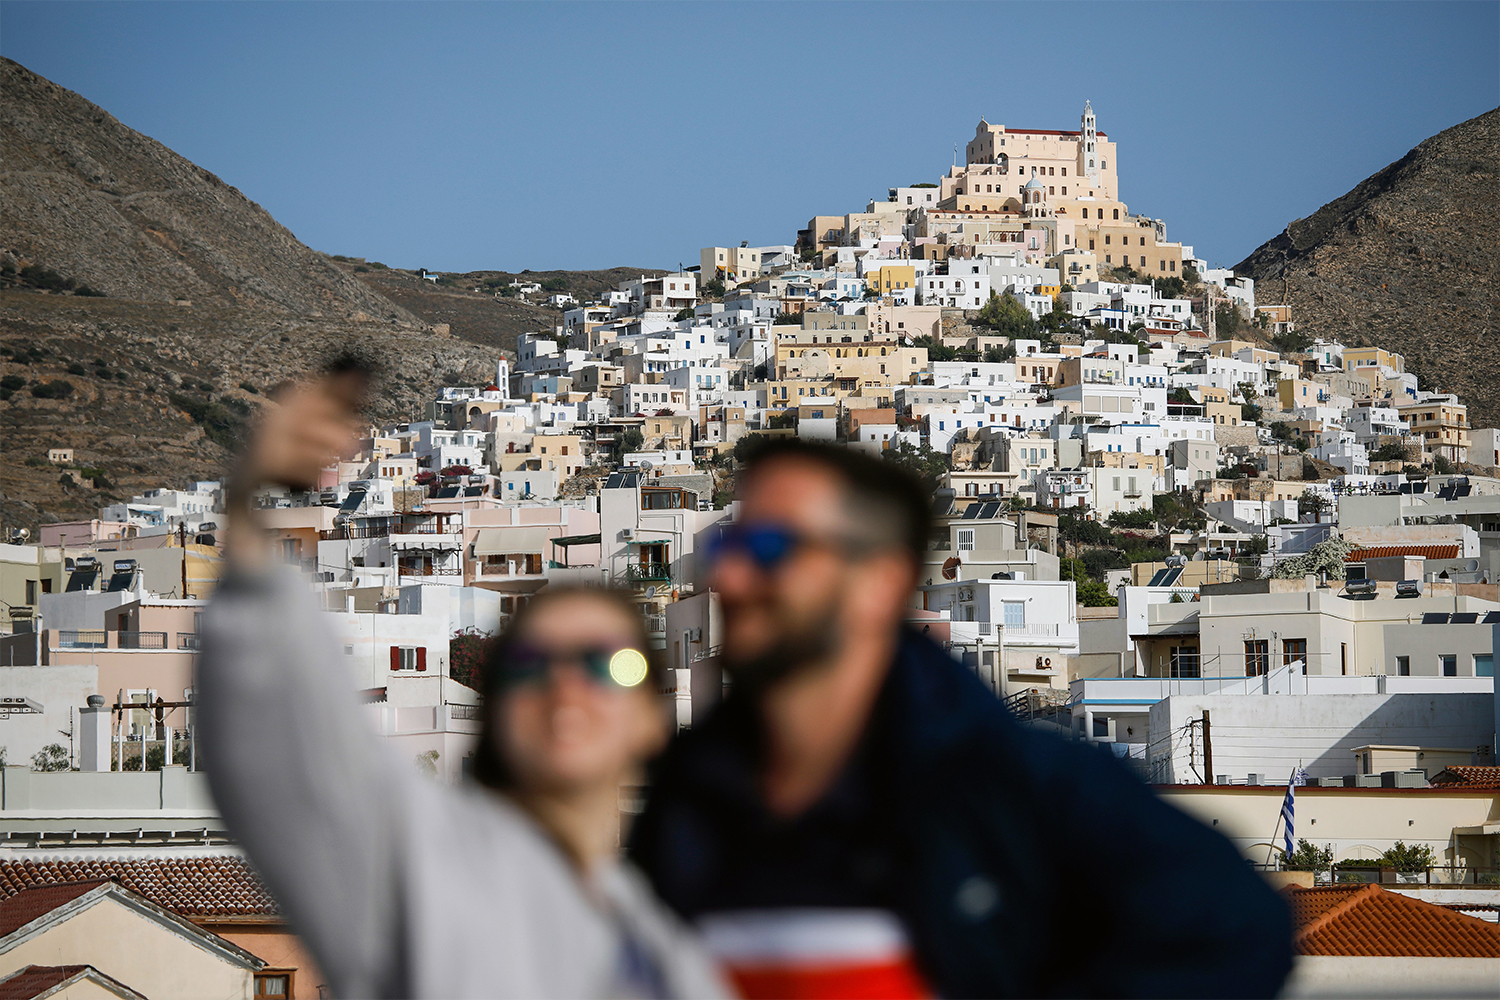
<point x="965" y="593"/>
<point x="628" y="534"/>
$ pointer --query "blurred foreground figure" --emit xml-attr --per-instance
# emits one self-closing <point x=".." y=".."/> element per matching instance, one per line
<point x="862" y="817"/>
<point x="400" y="886"/>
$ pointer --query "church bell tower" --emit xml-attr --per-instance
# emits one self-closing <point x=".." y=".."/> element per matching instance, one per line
<point x="1088" y="142"/>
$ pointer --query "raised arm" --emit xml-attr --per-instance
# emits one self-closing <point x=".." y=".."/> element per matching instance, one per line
<point x="303" y="782"/>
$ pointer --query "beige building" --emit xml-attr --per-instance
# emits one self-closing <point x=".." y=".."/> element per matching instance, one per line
<point x="1442" y="423"/>
<point x="128" y="938"/>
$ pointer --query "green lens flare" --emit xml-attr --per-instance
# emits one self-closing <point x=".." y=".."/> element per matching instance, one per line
<point x="627" y="667"/>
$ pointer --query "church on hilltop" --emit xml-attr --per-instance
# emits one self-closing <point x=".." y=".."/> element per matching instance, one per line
<point x="1060" y="188"/>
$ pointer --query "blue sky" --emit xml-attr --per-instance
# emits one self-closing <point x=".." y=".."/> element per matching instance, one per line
<point x="572" y="135"/>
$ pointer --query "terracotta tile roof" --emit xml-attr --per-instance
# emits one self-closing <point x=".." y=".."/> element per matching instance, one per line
<point x="214" y="886"/>
<point x="1366" y="920"/>
<point x="22" y="908"/>
<point x="1383" y="551"/>
<point x="1469" y="776"/>
<point x="36" y="979"/>
<point x="40" y="980"/>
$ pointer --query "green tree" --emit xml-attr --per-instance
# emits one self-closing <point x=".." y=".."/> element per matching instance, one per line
<point x="1442" y="466"/>
<point x="1005" y="315"/>
<point x="1408" y="857"/>
<point x="787" y="319"/>
<point x="1393" y="452"/>
<point x="1100" y="561"/>
<point x="52" y="757"/>
<point x="1308" y="857"/>
<point x="745" y="446"/>
<point x="920" y="460"/>
<point x="995" y="355"/>
<point x="713" y="289"/>
<point x="1093" y="594"/>
<point x="936" y="351"/>
<point x="1291" y="342"/>
<point x="686" y="312"/>
<point x="1228" y="320"/>
<point x="631" y="440"/>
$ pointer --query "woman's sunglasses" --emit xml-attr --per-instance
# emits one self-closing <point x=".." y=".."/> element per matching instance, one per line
<point x="625" y="668"/>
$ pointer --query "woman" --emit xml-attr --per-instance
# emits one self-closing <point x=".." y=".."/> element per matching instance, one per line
<point x="401" y="886"/>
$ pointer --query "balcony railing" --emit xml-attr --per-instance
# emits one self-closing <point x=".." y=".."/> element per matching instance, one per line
<point x="187" y="640"/>
<point x="649" y="573"/>
<point x="143" y="640"/>
<point x="84" y="639"/>
<point x="656" y="624"/>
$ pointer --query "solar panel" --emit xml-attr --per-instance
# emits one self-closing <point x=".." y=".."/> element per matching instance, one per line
<point x="447" y="493"/>
<point x="474" y="491"/>
<point x="1462" y="491"/>
<point x="1435" y="618"/>
<point x="352" y="501"/>
<point x="1446" y="493"/>
<point x="1492" y="618"/>
<point x="971" y="512"/>
<point x="83" y="578"/>
<point x="1464" y="618"/>
<point x="990" y="510"/>
<point x="120" y="582"/>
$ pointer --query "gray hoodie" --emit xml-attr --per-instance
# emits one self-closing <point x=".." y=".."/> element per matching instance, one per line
<point x="400" y="886"/>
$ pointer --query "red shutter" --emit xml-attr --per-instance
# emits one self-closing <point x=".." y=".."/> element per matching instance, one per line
<point x="395" y="658"/>
<point x="421" y="657"/>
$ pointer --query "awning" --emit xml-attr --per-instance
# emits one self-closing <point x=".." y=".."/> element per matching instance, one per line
<point x="504" y="541"/>
<point x="567" y="540"/>
<point x="1187" y="626"/>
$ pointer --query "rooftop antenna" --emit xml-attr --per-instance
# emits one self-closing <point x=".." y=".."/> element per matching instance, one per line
<point x="955" y="155"/>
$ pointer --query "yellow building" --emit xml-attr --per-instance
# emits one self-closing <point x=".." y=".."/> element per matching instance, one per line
<point x="1369" y="357"/>
<point x="892" y="278"/>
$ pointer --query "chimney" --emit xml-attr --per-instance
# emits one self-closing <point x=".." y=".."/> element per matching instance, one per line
<point x="93" y="735"/>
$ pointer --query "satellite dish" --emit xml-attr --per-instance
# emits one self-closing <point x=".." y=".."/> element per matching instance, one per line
<point x="950" y="567"/>
<point x="651" y="591"/>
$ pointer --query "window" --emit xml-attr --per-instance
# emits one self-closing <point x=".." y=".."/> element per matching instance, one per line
<point x="408" y="657"/>
<point x="1293" y="650"/>
<point x="1117" y="213"/>
<point x="1484" y="664"/>
<point x="273" y="985"/>
<point x="1403" y="666"/>
<point x="1101" y="728"/>
<point x="1183" y="661"/>
<point x="31" y="591"/>
<point x="1449" y="663"/>
<point x="1257" y="657"/>
<point x="966" y="539"/>
<point x="1015" y="613"/>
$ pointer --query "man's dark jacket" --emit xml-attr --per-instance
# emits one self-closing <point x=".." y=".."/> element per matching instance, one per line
<point x="1032" y="866"/>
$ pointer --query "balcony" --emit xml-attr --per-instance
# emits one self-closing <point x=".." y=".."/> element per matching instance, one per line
<point x="648" y="573"/>
<point x="85" y="639"/>
<point x="142" y="640"/>
<point x="188" y="640"/>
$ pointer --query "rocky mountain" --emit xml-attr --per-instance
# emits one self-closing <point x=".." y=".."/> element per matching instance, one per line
<point x="97" y="202"/>
<point x="206" y="303"/>
<point x="1407" y="260"/>
<point x="146" y="308"/>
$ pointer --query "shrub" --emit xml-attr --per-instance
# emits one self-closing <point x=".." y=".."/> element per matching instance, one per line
<point x="787" y="319"/>
<point x="1407" y="857"/>
<point x="250" y="388"/>
<point x="61" y="389"/>
<point x="1308" y="858"/>
<point x="12" y="382"/>
<point x="76" y="368"/>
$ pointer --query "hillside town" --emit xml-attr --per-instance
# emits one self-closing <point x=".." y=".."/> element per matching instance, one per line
<point x="1248" y="562"/>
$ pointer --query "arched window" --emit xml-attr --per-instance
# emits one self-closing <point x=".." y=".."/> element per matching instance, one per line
<point x="1117" y="213"/>
<point x="1091" y="164"/>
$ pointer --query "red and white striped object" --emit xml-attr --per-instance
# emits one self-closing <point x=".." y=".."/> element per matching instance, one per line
<point x="815" y="954"/>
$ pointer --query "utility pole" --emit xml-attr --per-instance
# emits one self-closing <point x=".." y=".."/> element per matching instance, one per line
<point x="182" y="544"/>
<point x="1208" y="753"/>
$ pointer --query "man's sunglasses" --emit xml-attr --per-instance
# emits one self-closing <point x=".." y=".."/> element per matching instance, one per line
<point x="603" y="665"/>
<point x="766" y="545"/>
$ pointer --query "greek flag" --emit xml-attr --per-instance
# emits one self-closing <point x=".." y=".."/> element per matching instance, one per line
<point x="1288" y="806"/>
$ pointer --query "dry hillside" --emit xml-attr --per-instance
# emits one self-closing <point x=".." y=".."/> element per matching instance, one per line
<point x="1407" y="260"/>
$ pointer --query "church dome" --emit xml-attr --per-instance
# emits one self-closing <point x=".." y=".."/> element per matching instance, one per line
<point x="1035" y="184"/>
